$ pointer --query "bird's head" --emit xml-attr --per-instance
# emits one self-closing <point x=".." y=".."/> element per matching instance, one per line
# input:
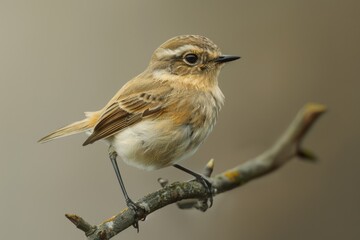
<point x="190" y="59"/>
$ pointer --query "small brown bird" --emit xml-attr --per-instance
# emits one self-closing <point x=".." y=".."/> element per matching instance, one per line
<point x="163" y="115"/>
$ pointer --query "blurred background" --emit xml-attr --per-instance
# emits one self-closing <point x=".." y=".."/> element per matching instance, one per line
<point x="61" y="58"/>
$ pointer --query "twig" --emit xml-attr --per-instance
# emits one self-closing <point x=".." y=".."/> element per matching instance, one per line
<point x="285" y="148"/>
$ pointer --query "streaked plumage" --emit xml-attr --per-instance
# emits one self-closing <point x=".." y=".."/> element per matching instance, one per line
<point x="161" y="116"/>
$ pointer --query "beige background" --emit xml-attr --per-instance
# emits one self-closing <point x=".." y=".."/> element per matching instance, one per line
<point x="60" y="58"/>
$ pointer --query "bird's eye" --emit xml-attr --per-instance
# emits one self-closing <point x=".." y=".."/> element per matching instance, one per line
<point x="191" y="58"/>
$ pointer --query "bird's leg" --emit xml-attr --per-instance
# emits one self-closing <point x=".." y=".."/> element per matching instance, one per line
<point x="139" y="211"/>
<point x="203" y="180"/>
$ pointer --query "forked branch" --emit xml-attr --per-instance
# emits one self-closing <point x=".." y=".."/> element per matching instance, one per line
<point x="285" y="148"/>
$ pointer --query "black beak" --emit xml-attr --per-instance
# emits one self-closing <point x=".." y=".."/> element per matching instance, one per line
<point x="226" y="58"/>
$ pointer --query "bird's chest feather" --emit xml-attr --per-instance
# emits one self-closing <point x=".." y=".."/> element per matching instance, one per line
<point x="174" y="136"/>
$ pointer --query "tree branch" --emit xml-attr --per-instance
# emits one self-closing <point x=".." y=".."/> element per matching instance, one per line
<point x="285" y="148"/>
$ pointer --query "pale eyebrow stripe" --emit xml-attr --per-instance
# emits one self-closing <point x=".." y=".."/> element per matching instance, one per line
<point x="166" y="53"/>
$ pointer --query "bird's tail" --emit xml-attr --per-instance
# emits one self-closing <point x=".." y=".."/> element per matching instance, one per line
<point x="76" y="127"/>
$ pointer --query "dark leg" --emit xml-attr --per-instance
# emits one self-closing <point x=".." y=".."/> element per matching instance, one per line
<point x="206" y="183"/>
<point x="130" y="203"/>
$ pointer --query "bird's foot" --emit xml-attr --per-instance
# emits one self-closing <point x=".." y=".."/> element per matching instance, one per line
<point x="139" y="213"/>
<point x="208" y="202"/>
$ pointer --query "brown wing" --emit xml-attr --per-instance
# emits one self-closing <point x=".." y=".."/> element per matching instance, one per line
<point x="126" y="112"/>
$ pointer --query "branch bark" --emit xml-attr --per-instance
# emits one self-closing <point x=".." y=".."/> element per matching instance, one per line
<point x="285" y="148"/>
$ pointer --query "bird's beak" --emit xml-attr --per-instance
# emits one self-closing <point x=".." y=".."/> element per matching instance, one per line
<point x="226" y="58"/>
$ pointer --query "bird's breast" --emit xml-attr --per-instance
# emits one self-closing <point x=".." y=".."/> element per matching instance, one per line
<point x="153" y="144"/>
<point x="172" y="137"/>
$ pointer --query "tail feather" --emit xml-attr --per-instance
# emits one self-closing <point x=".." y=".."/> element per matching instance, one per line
<point x="76" y="127"/>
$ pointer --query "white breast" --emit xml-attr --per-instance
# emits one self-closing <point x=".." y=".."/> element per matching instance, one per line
<point x="154" y="144"/>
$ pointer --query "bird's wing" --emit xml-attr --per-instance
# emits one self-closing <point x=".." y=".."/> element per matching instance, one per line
<point x="129" y="110"/>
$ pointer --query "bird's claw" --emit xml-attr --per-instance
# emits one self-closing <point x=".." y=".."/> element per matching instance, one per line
<point x="209" y="188"/>
<point x="139" y="213"/>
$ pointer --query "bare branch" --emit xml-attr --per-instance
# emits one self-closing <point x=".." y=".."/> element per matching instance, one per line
<point x="285" y="148"/>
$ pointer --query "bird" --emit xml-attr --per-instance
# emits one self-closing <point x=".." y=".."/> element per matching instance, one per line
<point x="162" y="116"/>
